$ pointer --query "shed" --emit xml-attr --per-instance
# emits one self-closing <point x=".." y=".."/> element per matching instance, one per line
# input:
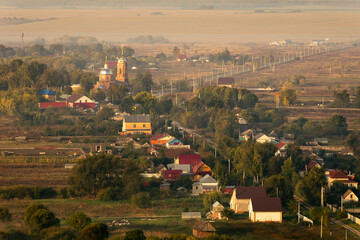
<point x="202" y="229"/>
<point x="349" y="196"/>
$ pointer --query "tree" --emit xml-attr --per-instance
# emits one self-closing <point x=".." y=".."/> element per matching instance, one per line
<point x="353" y="142"/>
<point x="97" y="95"/>
<point x="336" y="125"/>
<point x="106" y="113"/>
<point x="142" y="82"/>
<point x="288" y="96"/>
<point x="357" y="97"/>
<point x="87" y="81"/>
<point x="298" y="79"/>
<point x="127" y="104"/>
<point x="228" y="213"/>
<point x="41" y="219"/>
<point x="147" y="101"/>
<point x="341" y="99"/>
<point x="310" y="186"/>
<point x="96" y="172"/>
<point x="277" y="184"/>
<point x="210" y="199"/>
<point x="56" y="233"/>
<point x="116" y="93"/>
<point x="31" y="209"/>
<point x="78" y="220"/>
<point x="5" y="215"/>
<point x="95" y="231"/>
<point x="141" y="200"/>
<point x="67" y="90"/>
<point x="134" y="234"/>
<point x="316" y="212"/>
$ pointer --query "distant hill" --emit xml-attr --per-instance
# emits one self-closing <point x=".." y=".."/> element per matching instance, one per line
<point x="183" y="4"/>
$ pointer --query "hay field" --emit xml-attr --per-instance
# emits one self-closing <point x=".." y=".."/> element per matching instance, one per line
<point x="183" y="25"/>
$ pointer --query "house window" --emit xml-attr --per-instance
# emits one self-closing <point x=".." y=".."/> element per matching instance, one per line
<point x="79" y="101"/>
<point x="134" y="125"/>
<point x="350" y="195"/>
<point x="159" y="142"/>
<point x="170" y="175"/>
<point x="143" y="125"/>
<point x="86" y="101"/>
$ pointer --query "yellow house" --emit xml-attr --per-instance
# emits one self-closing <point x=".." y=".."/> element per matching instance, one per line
<point x="136" y="124"/>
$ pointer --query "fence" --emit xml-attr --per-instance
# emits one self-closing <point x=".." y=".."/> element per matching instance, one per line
<point x="349" y="216"/>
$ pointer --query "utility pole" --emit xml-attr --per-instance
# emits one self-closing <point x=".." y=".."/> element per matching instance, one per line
<point x="322" y="196"/>
<point x="22" y="41"/>
<point x="229" y="166"/>
<point x="298" y="212"/>
<point x="321" y="227"/>
<point x="215" y="150"/>
<point x="277" y="192"/>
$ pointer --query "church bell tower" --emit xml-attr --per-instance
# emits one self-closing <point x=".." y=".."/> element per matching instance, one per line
<point x="122" y="74"/>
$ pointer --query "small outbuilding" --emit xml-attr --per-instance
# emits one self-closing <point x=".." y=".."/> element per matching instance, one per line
<point x="266" y="209"/>
<point x="349" y="196"/>
<point x="202" y="229"/>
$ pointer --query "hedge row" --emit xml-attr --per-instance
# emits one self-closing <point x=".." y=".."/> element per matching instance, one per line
<point x="22" y="192"/>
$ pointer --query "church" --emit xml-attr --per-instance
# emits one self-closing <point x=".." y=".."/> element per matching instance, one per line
<point x="107" y="78"/>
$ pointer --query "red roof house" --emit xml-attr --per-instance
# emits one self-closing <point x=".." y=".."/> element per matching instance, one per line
<point x="192" y="159"/>
<point x="171" y="174"/>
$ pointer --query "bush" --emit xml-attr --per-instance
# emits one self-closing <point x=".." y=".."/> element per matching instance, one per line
<point x="13" y="235"/>
<point x="22" y="192"/>
<point x="341" y="214"/>
<point x="78" y="220"/>
<point x="98" y="231"/>
<point x="64" y="192"/>
<point x="31" y="209"/>
<point x="110" y="194"/>
<point x="141" y="200"/>
<point x="228" y="213"/>
<point x="134" y="234"/>
<point x="57" y="233"/>
<point x="43" y="218"/>
<point x="5" y="215"/>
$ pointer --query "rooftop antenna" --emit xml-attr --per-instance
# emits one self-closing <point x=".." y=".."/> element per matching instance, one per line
<point x="122" y="50"/>
<point x="22" y="41"/>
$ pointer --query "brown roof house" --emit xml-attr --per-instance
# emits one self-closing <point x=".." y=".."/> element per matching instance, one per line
<point x="341" y="176"/>
<point x="203" y="229"/>
<point x="226" y="82"/>
<point x="240" y="199"/>
<point x="266" y="209"/>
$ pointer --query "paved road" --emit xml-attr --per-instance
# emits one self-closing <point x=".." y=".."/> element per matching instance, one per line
<point x="308" y="206"/>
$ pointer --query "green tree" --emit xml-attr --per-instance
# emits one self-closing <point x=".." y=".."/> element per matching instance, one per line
<point x="127" y="104"/>
<point x="31" y="209"/>
<point x="353" y="142"/>
<point x="277" y="184"/>
<point x="147" y="102"/>
<point x="96" y="172"/>
<point x="288" y="96"/>
<point x="95" y="231"/>
<point x="141" y="200"/>
<point x="141" y="82"/>
<point x="298" y="79"/>
<point x="210" y="199"/>
<point x="78" y="220"/>
<point x="116" y="93"/>
<point x="316" y="212"/>
<point x="341" y="99"/>
<point x="336" y="125"/>
<point x="41" y="219"/>
<point x="134" y="234"/>
<point x="310" y="186"/>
